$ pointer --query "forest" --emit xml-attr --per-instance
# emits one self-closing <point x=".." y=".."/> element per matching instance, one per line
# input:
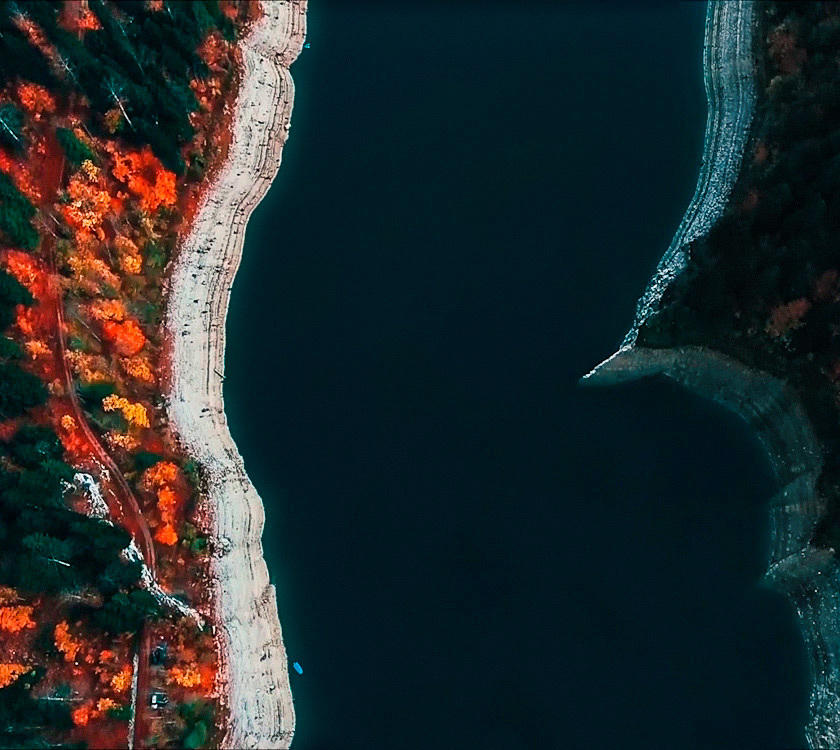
<point x="47" y="547"/>
<point x="134" y="69"/>
<point x="110" y="116"/>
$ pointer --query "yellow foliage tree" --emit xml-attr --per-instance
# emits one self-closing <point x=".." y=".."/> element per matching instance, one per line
<point x="65" y="642"/>
<point x="87" y="203"/>
<point x="139" y="368"/>
<point x="120" y="440"/>
<point x="107" y="309"/>
<point x="10" y="672"/>
<point x="185" y="676"/>
<point x="131" y="264"/>
<point x="90" y="170"/>
<point x="103" y="704"/>
<point x="163" y="472"/>
<point x="134" y="413"/>
<point x="130" y="259"/>
<point x="121" y="681"/>
<point x="90" y="368"/>
<point x="92" y="272"/>
<point x="36" y="348"/>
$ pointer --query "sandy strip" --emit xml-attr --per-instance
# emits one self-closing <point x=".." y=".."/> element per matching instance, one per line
<point x="254" y="665"/>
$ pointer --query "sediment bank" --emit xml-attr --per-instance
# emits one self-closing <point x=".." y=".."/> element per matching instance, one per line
<point x="254" y="679"/>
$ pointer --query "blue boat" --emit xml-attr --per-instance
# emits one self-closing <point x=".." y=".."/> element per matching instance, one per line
<point x="298" y="668"/>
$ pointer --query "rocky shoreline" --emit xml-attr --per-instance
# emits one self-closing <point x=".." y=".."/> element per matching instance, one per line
<point x="254" y="678"/>
<point x="730" y="95"/>
<point x="808" y="575"/>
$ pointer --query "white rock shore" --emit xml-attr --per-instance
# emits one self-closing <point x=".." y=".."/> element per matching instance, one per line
<point x="254" y="684"/>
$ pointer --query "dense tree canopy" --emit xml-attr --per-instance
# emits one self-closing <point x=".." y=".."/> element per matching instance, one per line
<point x="75" y="151"/>
<point x="139" y="62"/>
<point x="16" y="213"/>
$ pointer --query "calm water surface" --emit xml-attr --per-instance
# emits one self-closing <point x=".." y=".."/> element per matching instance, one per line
<point x="470" y="550"/>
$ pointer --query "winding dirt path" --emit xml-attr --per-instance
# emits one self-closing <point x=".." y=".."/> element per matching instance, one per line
<point x="126" y="510"/>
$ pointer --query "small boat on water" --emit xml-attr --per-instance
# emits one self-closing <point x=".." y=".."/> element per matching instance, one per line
<point x="298" y="668"/>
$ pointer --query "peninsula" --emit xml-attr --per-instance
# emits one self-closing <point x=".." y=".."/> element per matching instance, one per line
<point x="744" y="308"/>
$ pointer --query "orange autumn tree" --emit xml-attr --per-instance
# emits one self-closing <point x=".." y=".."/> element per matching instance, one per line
<point x="160" y="478"/>
<point x="166" y="534"/>
<point x="70" y="436"/>
<point x="35" y="99"/>
<point x="20" y="265"/>
<point x="37" y="38"/>
<point x="145" y="177"/>
<point x="65" y="642"/>
<point x="127" y="337"/>
<point x="163" y="472"/>
<point x="826" y="286"/>
<point x="785" y="318"/>
<point x="81" y="716"/>
<point x="15" y="619"/>
<point x="36" y="348"/>
<point x="78" y="17"/>
<point x="20" y="175"/>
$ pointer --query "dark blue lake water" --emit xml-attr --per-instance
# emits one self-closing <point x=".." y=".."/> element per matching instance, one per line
<point x="470" y="550"/>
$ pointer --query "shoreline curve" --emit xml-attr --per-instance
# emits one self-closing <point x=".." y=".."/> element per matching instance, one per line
<point x="730" y="95"/>
<point x="254" y="678"/>
<point x="808" y="575"/>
